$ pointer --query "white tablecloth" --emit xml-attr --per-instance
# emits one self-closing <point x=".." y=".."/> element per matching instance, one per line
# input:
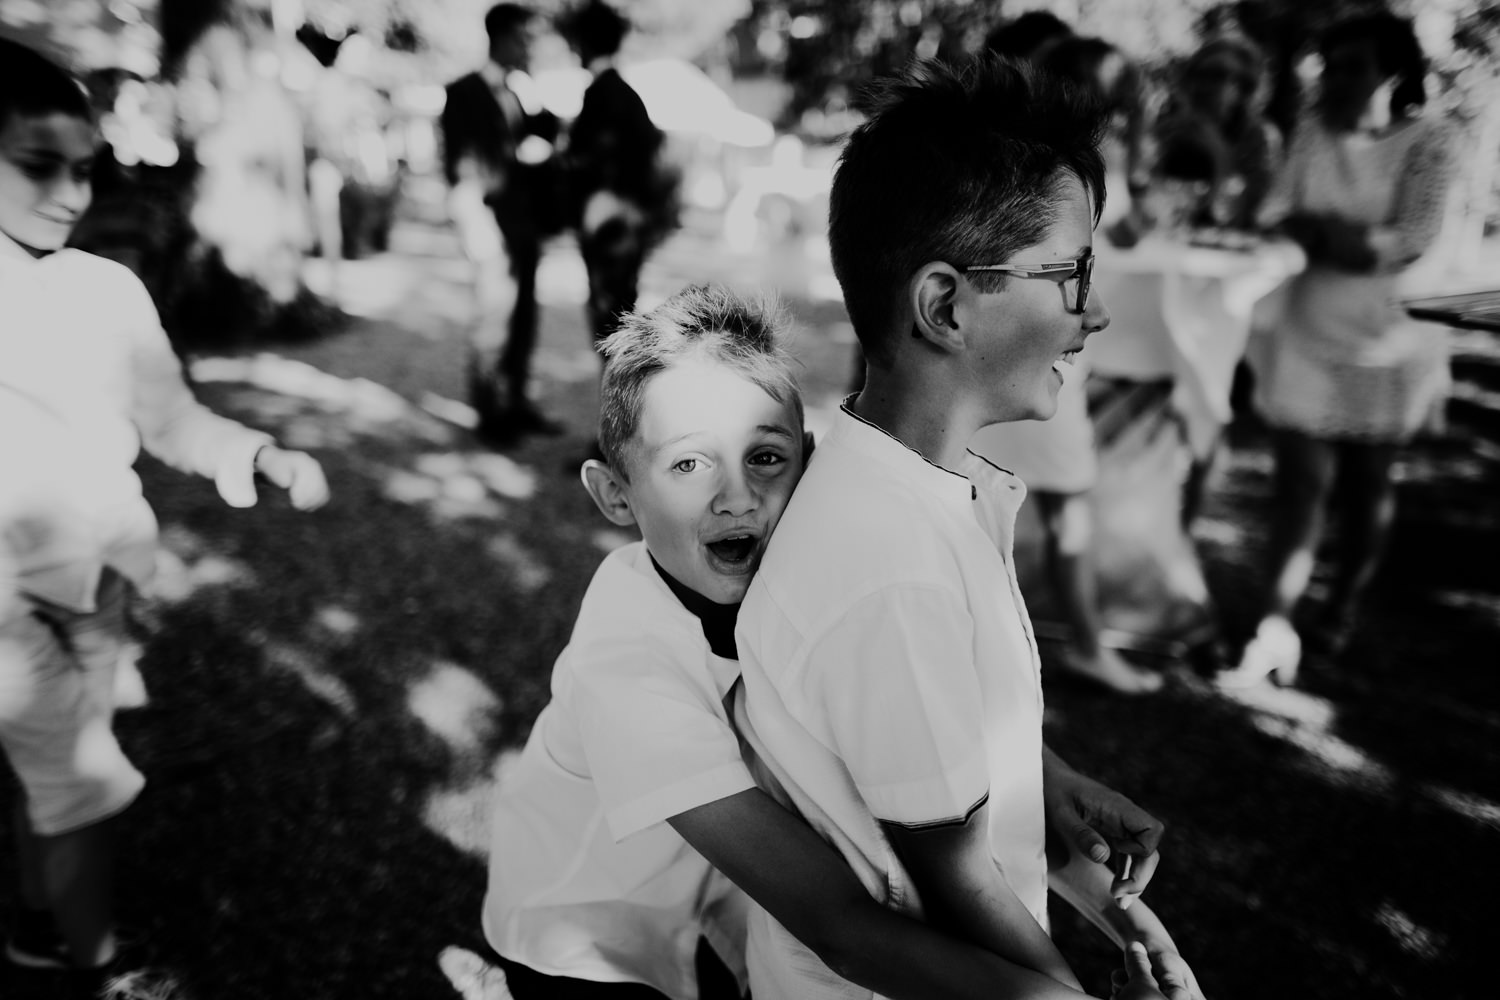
<point x="1185" y="312"/>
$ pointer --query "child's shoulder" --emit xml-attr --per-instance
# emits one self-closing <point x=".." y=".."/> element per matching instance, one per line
<point x="100" y="275"/>
<point x="628" y="601"/>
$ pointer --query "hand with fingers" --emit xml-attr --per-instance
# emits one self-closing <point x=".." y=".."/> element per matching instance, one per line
<point x="1101" y="824"/>
<point x="1173" y="975"/>
<point x="1135" y="981"/>
<point x="294" y="471"/>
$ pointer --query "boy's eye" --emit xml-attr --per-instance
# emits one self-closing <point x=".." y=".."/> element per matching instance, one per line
<point x="767" y="458"/>
<point x="685" y="465"/>
<point x="39" y="171"/>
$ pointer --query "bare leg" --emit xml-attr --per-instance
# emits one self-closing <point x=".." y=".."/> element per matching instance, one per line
<point x="1305" y="470"/>
<point x="1367" y="507"/>
<point x="1068" y="523"/>
<point x="73" y="874"/>
<point x="28" y="861"/>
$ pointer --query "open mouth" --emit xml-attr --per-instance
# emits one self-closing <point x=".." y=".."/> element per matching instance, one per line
<point x="734" y="551"/>
<point x="1068" y="358"/>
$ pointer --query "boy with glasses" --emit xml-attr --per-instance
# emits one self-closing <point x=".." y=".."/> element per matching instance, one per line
<point x="891" y="676"/>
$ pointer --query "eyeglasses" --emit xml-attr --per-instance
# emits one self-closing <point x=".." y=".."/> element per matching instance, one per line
<point x="1061" y="271"/>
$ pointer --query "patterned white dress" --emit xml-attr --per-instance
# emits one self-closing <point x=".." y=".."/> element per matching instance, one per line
<point x="1345" y="362"/>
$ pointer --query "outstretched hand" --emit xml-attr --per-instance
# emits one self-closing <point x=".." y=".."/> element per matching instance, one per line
<point x="1099" y="823"/>
<point x="294" y="471"/>
<point x="297" y="472"/>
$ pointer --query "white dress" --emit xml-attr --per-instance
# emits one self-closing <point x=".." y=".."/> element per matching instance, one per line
<point x="1345" y="362"/>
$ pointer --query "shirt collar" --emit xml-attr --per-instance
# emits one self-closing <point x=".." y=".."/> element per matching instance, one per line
<point x="494" y="74"/>
<point x="874" y="442"/>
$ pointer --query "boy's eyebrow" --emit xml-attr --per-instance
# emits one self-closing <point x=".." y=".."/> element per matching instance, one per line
<point x="776" y="429"/>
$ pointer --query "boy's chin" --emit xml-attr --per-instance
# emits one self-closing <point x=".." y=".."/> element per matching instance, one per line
<point x="723" y="588"/>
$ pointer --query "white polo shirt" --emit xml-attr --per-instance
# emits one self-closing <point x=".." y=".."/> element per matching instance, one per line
<point x="891" y="674"/>
<point x="82" y="347"/>
<point x="586" y="878"/>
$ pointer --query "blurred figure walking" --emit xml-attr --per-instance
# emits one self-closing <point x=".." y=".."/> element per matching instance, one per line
<point x="497" y="160"/>
<point x="1346" y="377"/>
<point x="624" y="196"/>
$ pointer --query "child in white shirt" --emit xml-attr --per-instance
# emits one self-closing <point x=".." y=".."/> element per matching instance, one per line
<point x="890" y="672"/>
<point x="86" y="375"/>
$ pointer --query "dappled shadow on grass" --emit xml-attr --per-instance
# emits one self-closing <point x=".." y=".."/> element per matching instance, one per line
<point x="1338" y="839"/>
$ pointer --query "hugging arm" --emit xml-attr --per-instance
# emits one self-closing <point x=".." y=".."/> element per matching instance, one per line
<point x="963" y="891"/>
<point x="782" y="864"/>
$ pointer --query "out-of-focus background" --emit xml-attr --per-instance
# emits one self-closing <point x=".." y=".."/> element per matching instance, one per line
<point x="334" y="697"/>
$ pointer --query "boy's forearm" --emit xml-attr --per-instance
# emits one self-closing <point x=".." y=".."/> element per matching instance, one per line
<point x="964" y="892"/>
<point x="904" y="959"/>
<point x="782" y="864"/>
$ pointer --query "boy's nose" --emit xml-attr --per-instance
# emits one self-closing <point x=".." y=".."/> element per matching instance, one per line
<point x="1095" y="315"/>
<point x="735" y="495"/>
<point x="71" y="193"/>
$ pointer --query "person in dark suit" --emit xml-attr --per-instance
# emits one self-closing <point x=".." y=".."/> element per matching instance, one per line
<point x="496" y="158"/>
<point x="624" y="194"/>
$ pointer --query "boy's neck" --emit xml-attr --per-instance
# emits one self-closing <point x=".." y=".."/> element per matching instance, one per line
<point x="928" y="417"/>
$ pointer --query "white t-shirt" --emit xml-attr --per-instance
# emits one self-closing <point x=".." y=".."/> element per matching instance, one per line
<point x="586" y="878"/>
<point x="890" y="674"/>
<point x="82" y="346"/>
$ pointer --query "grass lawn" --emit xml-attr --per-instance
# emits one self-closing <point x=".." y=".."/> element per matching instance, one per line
<point x="335" y="695"/>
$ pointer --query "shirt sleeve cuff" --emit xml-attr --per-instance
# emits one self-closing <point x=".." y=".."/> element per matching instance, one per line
<point x="947" y="797"/>
<point x="664" y="803"/>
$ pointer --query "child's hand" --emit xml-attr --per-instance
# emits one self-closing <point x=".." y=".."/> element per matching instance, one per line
<point x="1135" y="981"/>
<point x="1173" y="975"/>
<point x="297" y="472"/>
<point x="1104" y="826"/>
<point x="294" y="471"/>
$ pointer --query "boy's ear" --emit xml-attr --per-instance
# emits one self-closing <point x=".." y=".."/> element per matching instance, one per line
<point x="935" y="290"/>
<point x="608" y="492"/>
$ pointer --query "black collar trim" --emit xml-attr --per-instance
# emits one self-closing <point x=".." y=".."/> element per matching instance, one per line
<point x="717" y="619"/>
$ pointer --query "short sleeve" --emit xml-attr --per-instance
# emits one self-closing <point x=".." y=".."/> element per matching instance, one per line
<point x="655" y="732"/>
<point x="896" y="682"/>
<point x="1421" y="195"/>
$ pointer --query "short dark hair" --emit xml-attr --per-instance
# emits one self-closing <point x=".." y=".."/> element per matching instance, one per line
<point x="1025" y="36"/>
<point x="958" y="165"/>
<point x="710" y="321"/>
<point x="505" y="18"/>
<point x="1398" y="53"/>
<point x="594" y="28"/>
<point x="1095" y="64"/>
<point x="33" y="85"/>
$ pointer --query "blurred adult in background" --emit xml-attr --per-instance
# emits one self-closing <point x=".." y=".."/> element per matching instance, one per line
<point x="496" y="154"/>
<point x="1024" y="36"/>
<point x="354" y="175"/>
<point x="1222" y="83"/>
<point x="624" y="197"/>
<point x="246" y="130"/>
<point x="1056" y="458"/>
<point x="1346" y="377"/>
